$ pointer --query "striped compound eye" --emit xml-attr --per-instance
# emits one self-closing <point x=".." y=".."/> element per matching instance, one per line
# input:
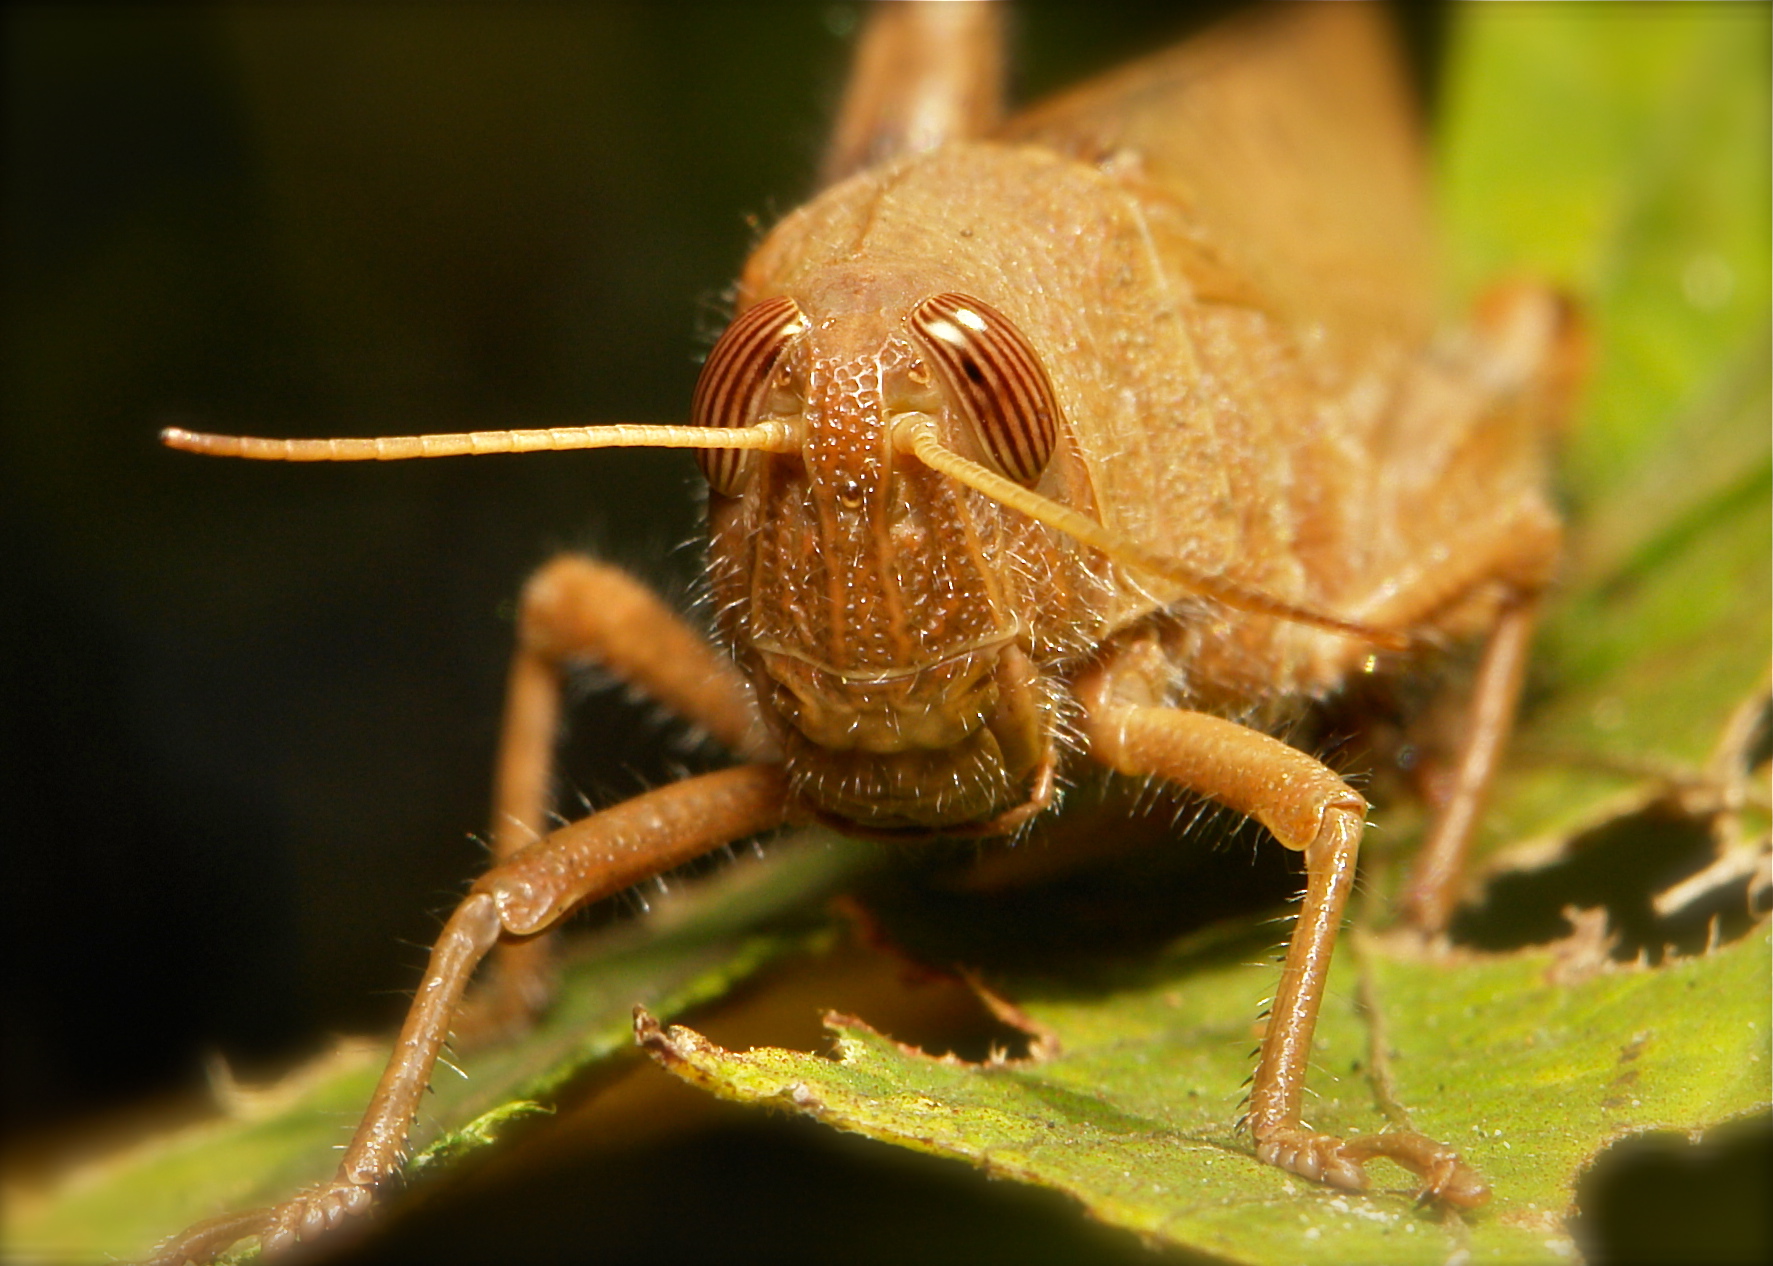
<point x="736" y="380"/>
<point x="997" y="379"/>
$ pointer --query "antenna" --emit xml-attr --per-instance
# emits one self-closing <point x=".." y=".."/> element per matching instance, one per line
<point x="913" y="433"/>
<point x="774" y="437"/>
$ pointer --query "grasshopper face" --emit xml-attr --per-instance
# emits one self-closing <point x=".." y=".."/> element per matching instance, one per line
<point x="883" y="611"/>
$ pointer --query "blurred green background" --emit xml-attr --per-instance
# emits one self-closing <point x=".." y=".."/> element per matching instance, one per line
<point x="249" y="710"/>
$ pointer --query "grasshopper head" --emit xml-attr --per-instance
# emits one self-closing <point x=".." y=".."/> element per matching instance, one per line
<point x="892" y="619"/>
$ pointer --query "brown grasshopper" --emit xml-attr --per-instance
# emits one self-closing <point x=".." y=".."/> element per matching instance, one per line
<point x="1114" y="434"/>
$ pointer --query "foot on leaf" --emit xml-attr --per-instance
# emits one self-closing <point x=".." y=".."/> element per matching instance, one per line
<point x="312" y="1213"/>
<point x="1341" y="1163"/>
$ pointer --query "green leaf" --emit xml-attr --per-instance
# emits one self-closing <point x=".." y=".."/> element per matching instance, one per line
<point x="1625" y="158"/>
<point x="1527" y="1072"/>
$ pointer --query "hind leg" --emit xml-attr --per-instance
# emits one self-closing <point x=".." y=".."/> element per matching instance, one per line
<point x="1487" y="543"/>
<point x="1439" y="869"/>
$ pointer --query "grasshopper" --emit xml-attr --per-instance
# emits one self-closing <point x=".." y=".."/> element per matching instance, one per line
<point x="1111" y="434"/>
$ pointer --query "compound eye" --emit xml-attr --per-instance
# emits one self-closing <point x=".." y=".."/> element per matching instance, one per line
<point x="996" y="378"/>
<point x="737" y="378"/>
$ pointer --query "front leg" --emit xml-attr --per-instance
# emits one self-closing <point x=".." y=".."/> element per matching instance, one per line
<point x="578" y="610"/>
<point x="519" y="898"/>
<point x="1309" y="809"/>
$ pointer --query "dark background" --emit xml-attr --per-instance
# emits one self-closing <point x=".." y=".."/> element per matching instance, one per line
<point x="252" y="706"/>
<point x="249" y="710"/>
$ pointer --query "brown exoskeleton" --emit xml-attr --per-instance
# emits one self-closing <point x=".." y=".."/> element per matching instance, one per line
<point x="1108" y="434"/>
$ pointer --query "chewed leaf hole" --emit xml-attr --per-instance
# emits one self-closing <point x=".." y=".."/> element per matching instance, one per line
<point x="935" y="1013"/>
<point x="1661" y="1198"/>
<point x="943" y="1017"/>
<point x="1619" y="867"/>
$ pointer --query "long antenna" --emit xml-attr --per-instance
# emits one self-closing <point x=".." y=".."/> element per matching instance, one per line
<point x="770" y="436"/>
<point x="913" y="433"/>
